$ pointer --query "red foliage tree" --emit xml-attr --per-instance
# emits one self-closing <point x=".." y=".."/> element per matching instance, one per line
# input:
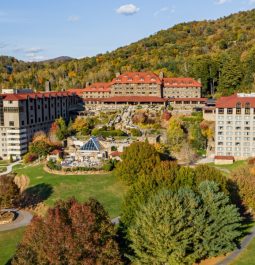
<point x="166" y="116"/>
<point x="71" y="233"/>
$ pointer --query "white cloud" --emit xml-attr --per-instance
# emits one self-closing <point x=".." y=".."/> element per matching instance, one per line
<point x="164" y="9"/>
<point x="221" y="2"/>
<point x="129" y="9"/>
<point x="73" y="18"/>
<point x="35" y="57"/>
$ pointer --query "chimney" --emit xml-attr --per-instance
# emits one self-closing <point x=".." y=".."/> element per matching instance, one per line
<point x="87" y="84"/>
<point x="161" y="75"/>
<point x="47" y="86"/>
<point x="117" y="74"/>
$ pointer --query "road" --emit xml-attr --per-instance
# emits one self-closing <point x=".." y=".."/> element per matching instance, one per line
<point x="24" y="218"/>
<point x="9" y="168"/>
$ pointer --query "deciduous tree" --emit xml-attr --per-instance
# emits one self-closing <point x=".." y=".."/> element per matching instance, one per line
<point x="70" y="233"/>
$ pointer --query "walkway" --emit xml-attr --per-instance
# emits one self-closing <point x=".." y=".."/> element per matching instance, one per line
<point x="231" y="257"/>
<point x="9" y="168"/>
<point x="24" y="218"/>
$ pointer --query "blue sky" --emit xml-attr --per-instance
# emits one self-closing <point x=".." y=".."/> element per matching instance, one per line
<point x="42" y="29"/>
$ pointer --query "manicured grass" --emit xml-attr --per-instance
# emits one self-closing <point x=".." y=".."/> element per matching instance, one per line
<point x="247" y="257"/>
<point x="8" y="243"/>
<point x="105" y="188"/>
<point x="229" y="168"/>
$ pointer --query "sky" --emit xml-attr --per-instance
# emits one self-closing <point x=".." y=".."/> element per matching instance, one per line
<point x="34" y="30"/>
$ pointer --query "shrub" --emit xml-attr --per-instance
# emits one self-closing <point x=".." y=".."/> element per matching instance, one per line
<point x="30" y="157"/>
<point x="136" y="132"/>
<point x="9" y="192"/>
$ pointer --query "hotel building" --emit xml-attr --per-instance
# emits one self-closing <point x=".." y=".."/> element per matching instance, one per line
<point x="24" y="114"/>
<point x="143" y="88"/>
<point x="235" y="127"/>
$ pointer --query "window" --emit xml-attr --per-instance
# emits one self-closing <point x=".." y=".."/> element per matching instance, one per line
<point x="230" y="111"/>
<point x="221" y="111"/>
<point x="238" y="108"/>
<point x="11" y="123"/>
<point x="22" y="123"/>
<point x="247" y="108"/>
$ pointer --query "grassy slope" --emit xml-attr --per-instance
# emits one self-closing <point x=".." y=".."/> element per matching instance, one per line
<point x="247" y="257"/>
<point x="8" y="242"/>
<point x="104" y="188"/>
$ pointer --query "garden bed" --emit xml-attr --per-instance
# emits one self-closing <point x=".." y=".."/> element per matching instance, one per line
<point x="7" y="217"/>
<point x="74" y="172"/>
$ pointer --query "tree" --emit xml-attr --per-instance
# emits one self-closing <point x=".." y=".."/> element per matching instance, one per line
<point x="175" y="134"/>
<point x="70" y="233"/>
<point x="137" y="159"/>
<point x="162" y="232"/>
<point x="9" y="192"/>
<point x="221" y="221"/>
<point x="62" y="130"/>
<point x="245" y="179"/>
<point x="231" y="75"/>
<point x="176" y="227"/>
<point x="170" y="176"/>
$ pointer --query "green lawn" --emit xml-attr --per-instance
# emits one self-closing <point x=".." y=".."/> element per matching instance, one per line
<point x="247" y="257"/>
<point x="230" y="168"/>
<point x="105" y="188"/>
<point x="8" y="242"/>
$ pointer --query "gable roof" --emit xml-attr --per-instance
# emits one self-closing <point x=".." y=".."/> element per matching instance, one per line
<point x="231" y="101"/>
<point x="137" y="78"/>
<point x="181" y="82"/>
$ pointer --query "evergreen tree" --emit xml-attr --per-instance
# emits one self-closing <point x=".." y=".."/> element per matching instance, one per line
<point x="221" y="221"/>
<point x="231" y="75"/>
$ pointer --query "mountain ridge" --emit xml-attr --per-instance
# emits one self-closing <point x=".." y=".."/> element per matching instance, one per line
<point x="221" y="52"/>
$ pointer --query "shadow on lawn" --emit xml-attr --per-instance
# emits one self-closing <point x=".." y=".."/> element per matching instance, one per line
<point x="35" y="195"/>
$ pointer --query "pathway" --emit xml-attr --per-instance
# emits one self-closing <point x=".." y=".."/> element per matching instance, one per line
<point x="231" y="257"/>
<point x="9" y="168"/>
<point x="24" y="218"/>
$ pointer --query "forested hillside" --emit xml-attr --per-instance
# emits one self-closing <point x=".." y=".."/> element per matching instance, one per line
<point x="221" y="53"/>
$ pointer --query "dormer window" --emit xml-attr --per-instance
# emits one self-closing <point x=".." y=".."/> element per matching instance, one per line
<point x="247" y="108"/>
<point x="238" y="108"/>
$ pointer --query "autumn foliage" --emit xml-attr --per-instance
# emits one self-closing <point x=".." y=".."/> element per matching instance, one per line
<point x="71" y="233"/>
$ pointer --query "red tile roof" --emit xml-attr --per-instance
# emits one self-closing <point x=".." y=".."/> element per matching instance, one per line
<point x="98" y="87"/>
<point x="123" y="99"/>
<point x="181" y="82"/>
<point x="137" y="78"/>
<point x="25" y="96"/>
<point x="116" y="153"/>
<point x="77" y="91"/>
<point x="231" y="101"/>
<point x="224" y="158"/>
